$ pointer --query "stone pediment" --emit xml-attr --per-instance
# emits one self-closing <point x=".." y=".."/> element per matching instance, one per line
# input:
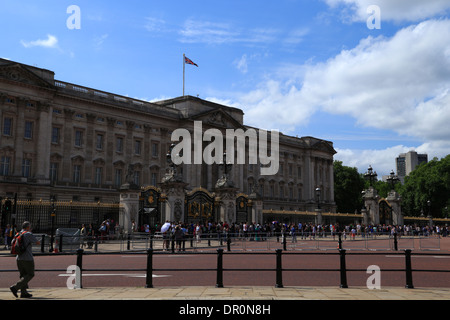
<point x="322" y="145"/>
<point x="20" y="73"/>
<point x="217" y="118"/>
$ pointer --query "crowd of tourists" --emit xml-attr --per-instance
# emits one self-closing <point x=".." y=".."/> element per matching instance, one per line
<point x="300" y="230"/>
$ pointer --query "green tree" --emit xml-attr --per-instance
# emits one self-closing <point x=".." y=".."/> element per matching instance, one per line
<point x="428" y="182"/>
<point x="348" y="185"/>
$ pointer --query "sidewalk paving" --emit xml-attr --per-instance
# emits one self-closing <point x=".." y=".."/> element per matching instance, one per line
<point x="233" y="293"/>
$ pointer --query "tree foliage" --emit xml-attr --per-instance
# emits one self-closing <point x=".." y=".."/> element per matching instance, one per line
<point x="428" y="182"/>
<point x="348" y="185"/>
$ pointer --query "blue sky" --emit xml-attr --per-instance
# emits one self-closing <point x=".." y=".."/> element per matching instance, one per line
<point x="306" y="68"/>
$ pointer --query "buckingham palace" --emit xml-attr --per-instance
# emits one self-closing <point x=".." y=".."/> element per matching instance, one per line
<point x="68" y="142"/>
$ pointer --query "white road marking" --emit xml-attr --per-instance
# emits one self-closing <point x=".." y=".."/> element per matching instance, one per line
<point x="436" y="257"/>
<point x="114" y="274"/>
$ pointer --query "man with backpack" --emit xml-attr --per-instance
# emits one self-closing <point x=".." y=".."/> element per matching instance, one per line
<point x="22" y="247"/>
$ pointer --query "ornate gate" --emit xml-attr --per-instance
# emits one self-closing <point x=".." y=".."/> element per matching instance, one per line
<point x="200" y="206"/>
<point x="385" y="211"/>
<point x="242" y="208"/>
<point x="150" y="207"/>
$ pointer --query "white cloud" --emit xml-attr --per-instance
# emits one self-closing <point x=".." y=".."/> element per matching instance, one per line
<point x="400" y="84"/>
<point x="50" y="42"/>
<point x="99" y="40"/>
<point x="195" y="31"/>
<point x="383" y="160"/>
<point x="241" y="64"/>
<point x="207" y="32"/>
<point x="156" y="25"/>
<point x="393" y="10"/>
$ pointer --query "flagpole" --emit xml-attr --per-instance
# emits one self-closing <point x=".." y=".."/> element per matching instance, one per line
<point x="184" y="63"/>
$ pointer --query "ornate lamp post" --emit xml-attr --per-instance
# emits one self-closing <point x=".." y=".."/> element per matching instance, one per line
<point x="370" y="175"/>
<point x="392" y="179"/>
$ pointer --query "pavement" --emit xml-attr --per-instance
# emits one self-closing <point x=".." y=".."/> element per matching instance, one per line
<point x="233" y="293"/>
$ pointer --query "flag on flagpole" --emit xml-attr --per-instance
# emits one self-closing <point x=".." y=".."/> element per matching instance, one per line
<point x="189" y="61"/>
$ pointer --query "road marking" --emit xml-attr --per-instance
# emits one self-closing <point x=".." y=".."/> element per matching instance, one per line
<point x="137" y="275"/>
<point x="436" y="257"/>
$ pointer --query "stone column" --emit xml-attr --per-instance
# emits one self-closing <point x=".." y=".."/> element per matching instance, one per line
<point x="318" y="218"/>
<point x="67" y="145"/>
<point x="173" y="206"/>
<point x="371" y="198"/>
<point x="129" y="200"/>
<point x="227" y="204"/>
<point x="395" y="202"/>
<point x="90" y="146"/>
<point x="43" y="144"/>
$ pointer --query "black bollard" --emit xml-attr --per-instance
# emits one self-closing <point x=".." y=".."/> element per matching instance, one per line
<point x="96" y="244"/>
<point x="395" y="242"/>
<point x="60" y="243"/>
<point x="279" y="276"/>
<point x="408" y="268"/>
<point x="149" y="277"/>
<point x="80" y="264"/>
<point x="219" y="282"/>
<point x="343" y="269"/>
<point x="43" y="243"/>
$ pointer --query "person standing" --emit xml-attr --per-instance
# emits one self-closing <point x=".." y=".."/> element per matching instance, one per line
<point x="25" y="263"/>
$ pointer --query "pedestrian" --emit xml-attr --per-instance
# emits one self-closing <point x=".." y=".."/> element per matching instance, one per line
<point x="25" y="263"/>
<point x="179" y="236"/>
<point x="83" y="234"/>
<point x="8" y="237"/>
<point x="198" y="232"/>
<point x="90" y="236"/>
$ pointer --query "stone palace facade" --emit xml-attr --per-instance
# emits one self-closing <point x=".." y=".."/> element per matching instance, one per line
<point x="75" y="143"/>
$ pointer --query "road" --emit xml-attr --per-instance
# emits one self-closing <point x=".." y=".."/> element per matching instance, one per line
<point x="127" y="270"/>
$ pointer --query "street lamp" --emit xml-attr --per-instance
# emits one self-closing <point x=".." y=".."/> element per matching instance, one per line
<point x="318" y="197"/>
<point x="429" y="208"/>
<point x="392" y="179"/>
<point x="370" y="175"/>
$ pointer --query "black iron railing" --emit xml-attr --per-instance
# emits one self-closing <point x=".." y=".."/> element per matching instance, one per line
<point x="278" y="270"/>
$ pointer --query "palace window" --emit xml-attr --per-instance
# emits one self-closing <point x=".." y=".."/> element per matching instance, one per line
<point x="76" y="173"/>
<point x="78" y="138"/>
<point x="28" y="130"/>
<point x="119" y="144"/>
<point x="118" y="178"/>
<point x="55" y="135"/>
<point x="137" y="147"/>
<point x="4" y="165"/>
<point x="98" y="176"/>
<point x="53" y="172"/>
<point x="26" y="168"/>
<point x="99" y="142"/>
<point x="7" y="126"/>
